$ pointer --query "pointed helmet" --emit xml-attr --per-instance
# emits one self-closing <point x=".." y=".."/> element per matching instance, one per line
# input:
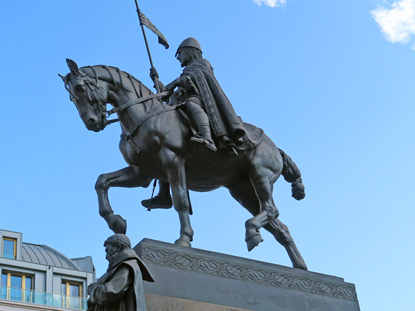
<point x="189" y="43"/>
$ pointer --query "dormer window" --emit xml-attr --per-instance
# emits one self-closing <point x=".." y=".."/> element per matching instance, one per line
<point x="9" y="248"/>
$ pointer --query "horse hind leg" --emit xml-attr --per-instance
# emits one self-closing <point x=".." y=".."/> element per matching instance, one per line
<point x="262" y="185"/>
<point x="244" y="193"/>
<point x="256" y="196"/>
<point x="268" y="218"/>
<point x="283" y="236"/>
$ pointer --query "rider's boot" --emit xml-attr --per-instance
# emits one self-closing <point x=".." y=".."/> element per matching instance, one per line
<point x="161" y="200"/>
<point x="204" y="137"/>
<point x="201" y="122"/>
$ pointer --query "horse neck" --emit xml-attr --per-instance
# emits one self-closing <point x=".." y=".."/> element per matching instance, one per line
<point x="135" y="115"/>
<point x="123" y="89"/>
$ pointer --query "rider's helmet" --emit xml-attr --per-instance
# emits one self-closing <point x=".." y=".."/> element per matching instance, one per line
<point x="189" y="43"/>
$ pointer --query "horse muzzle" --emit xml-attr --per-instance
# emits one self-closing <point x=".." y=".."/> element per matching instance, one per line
<point x="95" y="124"/>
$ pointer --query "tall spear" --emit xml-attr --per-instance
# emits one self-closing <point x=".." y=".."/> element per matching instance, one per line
<point x="144" y="21"/>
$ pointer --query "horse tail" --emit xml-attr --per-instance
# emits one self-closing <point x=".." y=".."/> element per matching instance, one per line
<point x="292" y="174"/>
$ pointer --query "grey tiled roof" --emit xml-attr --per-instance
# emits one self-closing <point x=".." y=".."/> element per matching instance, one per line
<point x="44" y="255"/>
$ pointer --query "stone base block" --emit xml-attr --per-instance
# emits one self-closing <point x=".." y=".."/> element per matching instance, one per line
<point x="188" y="279"/>
<point x="163" y="303"/>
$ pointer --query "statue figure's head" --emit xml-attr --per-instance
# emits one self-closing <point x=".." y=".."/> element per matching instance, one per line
<point x="189" y="51"/>
<point x="115" y="244"/>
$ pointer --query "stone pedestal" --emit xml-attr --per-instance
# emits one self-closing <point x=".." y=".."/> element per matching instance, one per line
<point x="188" y="279"/>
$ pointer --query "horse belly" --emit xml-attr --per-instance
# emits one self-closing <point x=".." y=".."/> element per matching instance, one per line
<point x="207" y="171"/>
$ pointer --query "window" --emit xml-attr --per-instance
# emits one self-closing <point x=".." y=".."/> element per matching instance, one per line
<point x="72" y="294"/>
<point x="16" y="287"/>
<point x="9" y="248"/>
<point x="3" y="288"/>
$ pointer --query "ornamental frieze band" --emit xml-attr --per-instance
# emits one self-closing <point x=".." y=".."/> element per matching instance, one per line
<point x="247" y="273"/>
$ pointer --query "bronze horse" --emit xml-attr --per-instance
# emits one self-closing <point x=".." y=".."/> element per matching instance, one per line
<point x="155" y="144"/>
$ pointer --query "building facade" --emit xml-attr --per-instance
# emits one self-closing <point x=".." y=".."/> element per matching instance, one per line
<point x="38" y="277"/>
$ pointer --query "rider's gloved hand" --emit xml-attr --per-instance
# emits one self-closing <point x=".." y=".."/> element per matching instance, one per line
<point x="162" y="88"/>
<point x="154" y="74"/>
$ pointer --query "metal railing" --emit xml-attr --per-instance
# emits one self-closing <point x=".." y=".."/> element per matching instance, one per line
<point x="42" y="298"/>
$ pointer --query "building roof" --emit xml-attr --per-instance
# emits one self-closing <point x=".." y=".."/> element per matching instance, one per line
<point x="85" y="263"/>
<point x="45" y="255"/>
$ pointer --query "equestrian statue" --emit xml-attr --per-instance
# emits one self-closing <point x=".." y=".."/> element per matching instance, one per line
<point x="188" y="137"/>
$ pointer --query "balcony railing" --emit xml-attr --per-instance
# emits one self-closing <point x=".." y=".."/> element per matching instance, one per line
<point x="42" y="298"/>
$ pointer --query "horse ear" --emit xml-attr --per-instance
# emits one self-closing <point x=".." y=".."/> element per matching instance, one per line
<point x="62" y="77"/>
<point x="72" y="66"/>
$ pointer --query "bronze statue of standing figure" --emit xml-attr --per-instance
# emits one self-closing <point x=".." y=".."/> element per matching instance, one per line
<point x="158" y="143"/>
<point x="121" y="287"/>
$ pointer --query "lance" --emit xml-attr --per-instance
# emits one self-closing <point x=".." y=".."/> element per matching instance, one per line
<point x="144" y="21"/>
<point x="156" y="80"/>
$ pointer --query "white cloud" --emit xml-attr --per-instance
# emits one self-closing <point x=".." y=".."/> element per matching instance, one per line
<point x="398" y="22"/>
<point x="271" y="3"/>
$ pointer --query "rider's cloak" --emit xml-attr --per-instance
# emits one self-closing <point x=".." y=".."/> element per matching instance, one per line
<point x="223" y="118"/>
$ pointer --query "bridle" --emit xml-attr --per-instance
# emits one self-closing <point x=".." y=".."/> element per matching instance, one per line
<point x="93" y="86"/>
<point x="89" y="93"/>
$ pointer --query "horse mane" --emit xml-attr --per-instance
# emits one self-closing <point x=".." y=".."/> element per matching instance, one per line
<point x="117" y="77"/>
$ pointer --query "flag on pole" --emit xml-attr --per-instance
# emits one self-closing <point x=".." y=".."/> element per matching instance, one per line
<point x="145" y="21"/>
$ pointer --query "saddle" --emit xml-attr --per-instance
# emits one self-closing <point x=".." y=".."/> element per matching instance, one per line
<point x="252" y="138"/>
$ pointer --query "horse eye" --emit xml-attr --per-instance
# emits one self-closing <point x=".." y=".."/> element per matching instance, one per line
<point x="80" y="88"/>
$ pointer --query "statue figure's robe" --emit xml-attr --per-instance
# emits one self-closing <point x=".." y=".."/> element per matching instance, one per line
<point x="121" y="287"/>
<point x="223" y="120"/>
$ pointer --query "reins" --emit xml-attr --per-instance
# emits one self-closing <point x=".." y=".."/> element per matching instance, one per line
<point x="94" y="84"/>
<point x="137" y="101"/>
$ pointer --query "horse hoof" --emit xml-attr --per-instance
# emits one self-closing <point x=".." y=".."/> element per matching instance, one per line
<point x="118" y="225"/>
<point x="253" y="241"/>
<point x="182" y="243"/>
<point x="300" y="265"/>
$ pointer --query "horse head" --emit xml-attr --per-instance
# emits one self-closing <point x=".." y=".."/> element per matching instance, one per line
<point x="88" y="94"/>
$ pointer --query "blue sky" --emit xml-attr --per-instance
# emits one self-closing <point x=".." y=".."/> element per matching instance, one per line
<point x="331" y="82"/>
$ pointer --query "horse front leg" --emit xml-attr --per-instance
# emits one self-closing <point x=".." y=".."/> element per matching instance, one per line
<point x="173" y="165"/>
<point x="127" y="177"/>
